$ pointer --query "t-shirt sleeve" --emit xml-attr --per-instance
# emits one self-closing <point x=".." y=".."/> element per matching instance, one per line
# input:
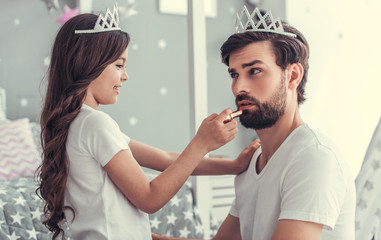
<point x="233" y="209"/>
<point x="102" y="138"/>
<point x="314" y="188"/>
<point x="127" y="138"/>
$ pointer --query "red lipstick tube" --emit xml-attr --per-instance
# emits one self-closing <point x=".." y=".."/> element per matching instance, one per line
<point x="233" y="115"/>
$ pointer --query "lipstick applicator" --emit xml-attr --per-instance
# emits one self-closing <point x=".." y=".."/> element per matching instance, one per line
<point x="233" y="115"/>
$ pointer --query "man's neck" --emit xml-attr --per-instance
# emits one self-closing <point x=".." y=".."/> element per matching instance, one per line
<point x="271" y="138"/>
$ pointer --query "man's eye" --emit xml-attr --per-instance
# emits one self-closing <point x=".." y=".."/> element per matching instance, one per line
<point x="254" y="71"/>
<point x="234" y="75"/>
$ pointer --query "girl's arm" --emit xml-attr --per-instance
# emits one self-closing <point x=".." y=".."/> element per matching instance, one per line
<point x="220" y="166"/>
<point x="149" y="197"/>
<point x="157" y="159"/>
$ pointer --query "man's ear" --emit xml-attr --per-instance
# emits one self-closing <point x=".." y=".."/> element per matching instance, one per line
<point x="296" y="72"/>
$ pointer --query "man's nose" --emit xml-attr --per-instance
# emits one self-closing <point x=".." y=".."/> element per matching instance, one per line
<point x="239" y="86"/>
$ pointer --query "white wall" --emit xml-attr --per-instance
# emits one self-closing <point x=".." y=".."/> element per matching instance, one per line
<point x="344" y="85"/>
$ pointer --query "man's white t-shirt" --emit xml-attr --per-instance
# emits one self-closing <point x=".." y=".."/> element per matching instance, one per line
<point x="101" y="210"/>
<point x="306" y="179"/>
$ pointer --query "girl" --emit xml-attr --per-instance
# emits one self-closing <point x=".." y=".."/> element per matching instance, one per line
<point x="91" y="172"/>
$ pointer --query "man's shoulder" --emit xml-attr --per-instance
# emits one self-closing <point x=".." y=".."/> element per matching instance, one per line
<point x="316" y="151"/>
<point x="306" y="137"/>
<point x="308" y="146"/>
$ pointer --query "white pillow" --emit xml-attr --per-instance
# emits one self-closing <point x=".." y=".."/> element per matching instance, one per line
<point x="18" y="153"/>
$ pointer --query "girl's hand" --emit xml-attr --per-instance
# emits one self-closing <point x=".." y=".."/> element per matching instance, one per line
<point x="214" y="133"/>
<point x="244" y="158"/>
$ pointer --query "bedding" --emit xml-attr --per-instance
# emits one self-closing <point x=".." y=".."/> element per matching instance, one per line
<point x="179" y="217"/>
<point x="19" y="156"/>
<point x="21" y="213"/>
<point x="368" y="186"/>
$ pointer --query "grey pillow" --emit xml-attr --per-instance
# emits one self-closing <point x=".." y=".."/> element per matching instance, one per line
<point x="21" y="213"/>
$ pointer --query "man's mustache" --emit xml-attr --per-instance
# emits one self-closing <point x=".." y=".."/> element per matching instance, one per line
<point x="241" y="97"/>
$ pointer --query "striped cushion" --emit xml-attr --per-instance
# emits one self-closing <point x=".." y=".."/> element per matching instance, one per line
<point x="18" y="153"/>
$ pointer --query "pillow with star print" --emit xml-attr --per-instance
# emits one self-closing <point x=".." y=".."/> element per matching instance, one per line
<point x="179" y="217"/>
<point x="21" y="211"/>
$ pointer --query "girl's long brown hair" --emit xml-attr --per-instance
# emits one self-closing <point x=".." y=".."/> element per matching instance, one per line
<point x="77" y="59"/>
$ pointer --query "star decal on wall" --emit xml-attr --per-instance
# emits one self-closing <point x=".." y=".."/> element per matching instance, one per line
<point x="133" y="121"/>
<point x="51" y="4"/>
<point x="68" y="13"/>
<point x="162" y="44"/>
<point x="128" y="9"/>
<point x="47" y="61"/>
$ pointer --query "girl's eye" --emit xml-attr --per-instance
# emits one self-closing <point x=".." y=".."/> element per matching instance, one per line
<point x="254" y="71"/>
<point x="120" y="66"/>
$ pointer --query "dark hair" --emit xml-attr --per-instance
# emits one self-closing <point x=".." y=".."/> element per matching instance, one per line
<point x="287" y="50"/>
<point x="77" y="59"/>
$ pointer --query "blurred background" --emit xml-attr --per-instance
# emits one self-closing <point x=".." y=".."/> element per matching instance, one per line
<point x="343" y="90"/>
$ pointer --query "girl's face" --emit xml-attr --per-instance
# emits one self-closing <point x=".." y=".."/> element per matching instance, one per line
<point x="105" y="88"/>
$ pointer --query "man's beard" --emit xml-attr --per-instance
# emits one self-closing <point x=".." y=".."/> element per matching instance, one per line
<point x="268" y="113"/>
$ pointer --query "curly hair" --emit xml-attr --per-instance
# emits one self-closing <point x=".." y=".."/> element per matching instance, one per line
<point x="287" y="50"/>
<point x="77" y="59"/>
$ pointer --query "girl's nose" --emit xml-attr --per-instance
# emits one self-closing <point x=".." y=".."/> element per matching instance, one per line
<point x="125" y="76"/>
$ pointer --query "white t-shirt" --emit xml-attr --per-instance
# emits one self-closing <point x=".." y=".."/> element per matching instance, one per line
<point x="306" y="179"/>
<point x="101" y="210"/>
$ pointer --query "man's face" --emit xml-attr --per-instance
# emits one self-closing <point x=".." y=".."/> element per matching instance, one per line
<point x="258" y="84"/>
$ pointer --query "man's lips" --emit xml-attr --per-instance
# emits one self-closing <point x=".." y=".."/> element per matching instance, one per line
<point x="245" y="104"/>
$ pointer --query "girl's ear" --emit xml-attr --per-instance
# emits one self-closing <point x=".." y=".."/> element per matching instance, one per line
<point x="296" y="72"/>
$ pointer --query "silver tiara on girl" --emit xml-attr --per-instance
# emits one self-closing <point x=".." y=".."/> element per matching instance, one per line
<point x="257" y="22"/>
<point x="109" y="22"/>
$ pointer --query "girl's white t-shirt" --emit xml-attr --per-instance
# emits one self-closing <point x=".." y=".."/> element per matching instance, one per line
<point x="101" y="210"/>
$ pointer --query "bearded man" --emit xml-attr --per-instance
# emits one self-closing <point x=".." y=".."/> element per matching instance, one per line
<point x="298" y="186"/>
